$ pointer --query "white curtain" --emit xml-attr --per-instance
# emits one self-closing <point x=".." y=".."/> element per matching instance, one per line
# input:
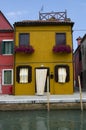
<point x="23" y="75"/>
<point x="40" y="80"/>
<point x="62" y="75"/>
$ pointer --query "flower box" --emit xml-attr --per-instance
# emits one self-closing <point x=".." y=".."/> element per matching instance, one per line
<point x="62" y="49"/>
<point x="25" y="49"/>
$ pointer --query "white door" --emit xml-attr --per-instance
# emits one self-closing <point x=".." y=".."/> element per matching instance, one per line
<point x="41" y="76"/>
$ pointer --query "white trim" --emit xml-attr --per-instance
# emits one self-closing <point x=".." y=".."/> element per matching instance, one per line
<point x="7" y="54"/>
<point x="3" y="76"/>
<point x="8" y="40"/>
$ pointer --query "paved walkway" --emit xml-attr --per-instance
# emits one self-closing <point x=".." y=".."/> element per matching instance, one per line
<point x="43" y="99"/>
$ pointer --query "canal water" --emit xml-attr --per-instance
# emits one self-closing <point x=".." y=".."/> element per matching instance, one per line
<point x="43" y="120"/>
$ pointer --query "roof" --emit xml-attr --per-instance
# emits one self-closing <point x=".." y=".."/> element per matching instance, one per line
<point x="4" y="23"/>
<point x="77" y="49"/>
<point x="43" y="23"/>
<point x="84" y="37"/>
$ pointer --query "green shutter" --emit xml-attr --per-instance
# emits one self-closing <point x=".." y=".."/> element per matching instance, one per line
<point x="3" y="48"/>
<point x="7" y="77"/>
<point x="0" y="48"/>
<point x="12" y="47"/>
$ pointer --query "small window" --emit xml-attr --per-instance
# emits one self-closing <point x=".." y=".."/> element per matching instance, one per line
<point x="24" y="39"/>
<point x="7" y="77"/>
<point x="60" y="38"/>
<point x="62" y="73"/>
<point x="7" y="47"/>
<point x="24" y="74"/>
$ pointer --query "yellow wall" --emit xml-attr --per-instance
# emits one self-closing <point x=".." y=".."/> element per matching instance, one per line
<point x="42" y="38"/>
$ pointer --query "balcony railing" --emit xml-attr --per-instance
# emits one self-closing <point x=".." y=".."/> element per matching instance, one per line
<point x="61" y="16"/>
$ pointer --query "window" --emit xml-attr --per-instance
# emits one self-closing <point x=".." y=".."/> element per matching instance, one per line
<point x="7" y="77"/>
<point x="62" y="73"/>
<point x="7" y="47"/>
<point x="24" y="39"/>
<point x="24" y="74"/>
<point x="60" y="38"/>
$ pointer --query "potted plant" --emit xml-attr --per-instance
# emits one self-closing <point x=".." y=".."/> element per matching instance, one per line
<point x="26" y="49"/>
<point x="62" y="49"/>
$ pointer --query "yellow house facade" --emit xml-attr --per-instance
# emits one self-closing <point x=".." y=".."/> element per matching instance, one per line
<point x="43" y="57"/>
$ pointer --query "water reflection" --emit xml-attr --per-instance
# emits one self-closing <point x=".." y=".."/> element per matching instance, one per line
<point x="43" y="120"/>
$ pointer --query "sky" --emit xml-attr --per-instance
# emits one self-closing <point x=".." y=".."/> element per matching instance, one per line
<point x="18" y="10"/>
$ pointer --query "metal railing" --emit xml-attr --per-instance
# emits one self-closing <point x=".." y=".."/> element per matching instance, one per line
<point x="62" y="16"/>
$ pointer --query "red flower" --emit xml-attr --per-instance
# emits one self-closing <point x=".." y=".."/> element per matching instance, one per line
<point x="62" y="48"/>
<point x="26" y="49"/>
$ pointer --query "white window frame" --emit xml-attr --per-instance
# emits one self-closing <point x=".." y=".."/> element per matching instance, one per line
<point x="7" y="40"/>
<point x="3" y="76"/>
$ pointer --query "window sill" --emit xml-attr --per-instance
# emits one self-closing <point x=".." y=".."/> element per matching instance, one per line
<point x="7" y="84"/>
<point x="7" y="54"/>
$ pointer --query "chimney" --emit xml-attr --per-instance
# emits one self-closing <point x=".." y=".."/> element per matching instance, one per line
<point x="79" y="40"/>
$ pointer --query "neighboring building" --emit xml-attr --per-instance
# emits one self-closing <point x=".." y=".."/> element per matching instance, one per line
<point x="78" y="63"/>
<point x="83" y="52"/>
<point x="43" y="55"/>
<point x="6" y="55"/>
